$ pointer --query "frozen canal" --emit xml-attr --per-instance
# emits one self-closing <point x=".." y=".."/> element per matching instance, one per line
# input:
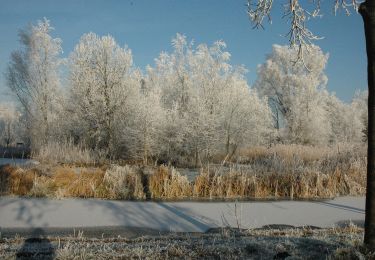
<point x="17" y="161"/>
<point x="177" y="216"/>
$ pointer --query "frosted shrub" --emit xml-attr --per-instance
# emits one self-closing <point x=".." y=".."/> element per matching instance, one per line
<point x="64" y="152"/>
<point x="123" y="182"/>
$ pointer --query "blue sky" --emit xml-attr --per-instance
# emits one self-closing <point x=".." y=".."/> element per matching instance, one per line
<point x="147" y="27"/>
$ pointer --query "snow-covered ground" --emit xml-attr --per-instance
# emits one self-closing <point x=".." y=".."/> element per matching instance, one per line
<point x="177" y="216"/>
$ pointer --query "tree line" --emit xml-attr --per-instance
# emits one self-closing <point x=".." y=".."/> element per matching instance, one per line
<point x="190" y="106"/>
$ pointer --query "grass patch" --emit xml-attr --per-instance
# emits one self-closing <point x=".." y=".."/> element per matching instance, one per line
<point x="222" y="243"/>
<point x="66" y="153"/>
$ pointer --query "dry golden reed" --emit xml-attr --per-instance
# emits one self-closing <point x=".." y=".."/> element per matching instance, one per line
<point x="167" y="183"/>
<point x="16" y="180"/>
<point x="277" y="172"/>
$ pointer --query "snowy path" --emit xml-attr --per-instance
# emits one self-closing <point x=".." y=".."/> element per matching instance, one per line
<point x="175" y="216"/>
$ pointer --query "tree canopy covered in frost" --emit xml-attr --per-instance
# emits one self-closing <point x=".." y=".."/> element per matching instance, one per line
<point x="103" y="83"/>
<point x="33" y="76"/>
<point x="214" y="107"/>
<point x="303" y="110"/>
<point x="295" y="93"/>
<point x="191" y="106"/>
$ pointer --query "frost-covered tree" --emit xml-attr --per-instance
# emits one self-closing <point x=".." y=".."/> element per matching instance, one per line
<point x="359" y="105"/>
<point x="208" y="77"/>
<point x="33" y="76"/>
<point x="347" y="120"/>
<point x="245" y="118"/>
<point x="208" y="98"/>
<point x="182" y="90"/>
<point x="9" y="125"/>
<point x="103" y="88"/>
<point x="172" y="138"/>
<point x="144" y="131"/>
<point x="295" y="93"/>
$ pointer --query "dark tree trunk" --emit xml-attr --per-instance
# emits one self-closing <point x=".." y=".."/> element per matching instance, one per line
<point x="367" y="10"/>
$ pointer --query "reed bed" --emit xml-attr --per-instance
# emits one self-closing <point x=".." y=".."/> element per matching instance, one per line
<point x="280" y="172"/>
<point x="123" y="182"/>
<point x="16" y="180"/>
<point x="287" y="171"/>
<point x="168" y="183"/>
<point x="114" y="183"/>
<point x="234" y="185"/>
